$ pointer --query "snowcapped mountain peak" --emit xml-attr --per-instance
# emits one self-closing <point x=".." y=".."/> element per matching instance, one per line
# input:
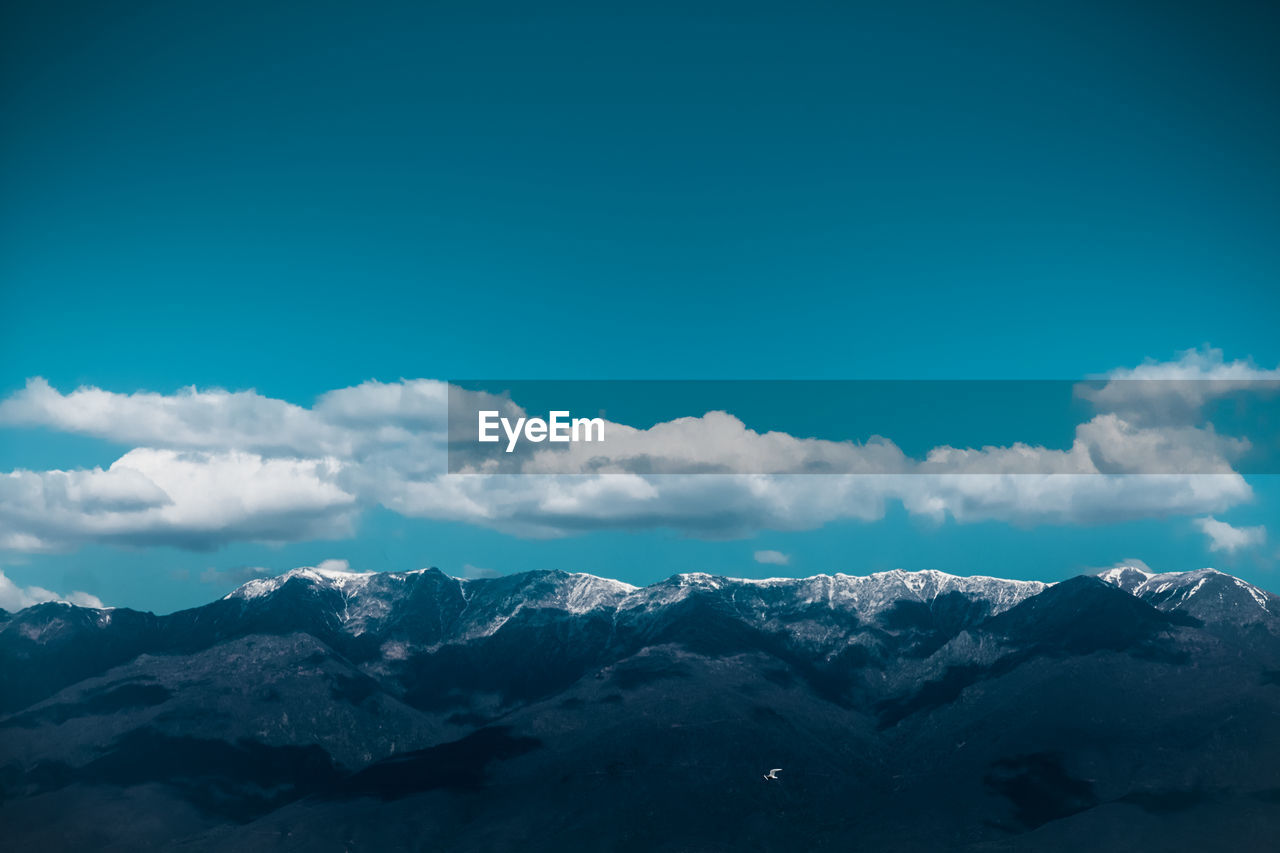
<point x="1205" y="593"/>
<point x="340" y="579"/>
<point x="1183" y="584"/>
<point x="701" y="579"/>
<point x="1127" y="577"/>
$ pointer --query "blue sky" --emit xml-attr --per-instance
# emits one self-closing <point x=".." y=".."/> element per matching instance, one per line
<point x="297" y="201"/>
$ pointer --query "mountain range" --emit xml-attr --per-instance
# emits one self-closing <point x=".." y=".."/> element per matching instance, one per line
<point x="325" y="710"/>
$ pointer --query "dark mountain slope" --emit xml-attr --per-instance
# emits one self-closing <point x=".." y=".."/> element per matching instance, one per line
<point x="548" y="711"/>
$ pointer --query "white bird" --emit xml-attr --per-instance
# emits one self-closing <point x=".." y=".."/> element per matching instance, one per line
<point x="772" y="774"/>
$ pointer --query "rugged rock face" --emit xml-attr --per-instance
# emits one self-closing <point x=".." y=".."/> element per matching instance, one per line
<point x="548" y="711"/>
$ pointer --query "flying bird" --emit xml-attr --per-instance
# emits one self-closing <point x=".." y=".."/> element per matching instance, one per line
<point x="772" y="774"/>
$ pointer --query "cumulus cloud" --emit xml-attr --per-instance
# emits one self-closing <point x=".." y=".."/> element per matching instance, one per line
<point x="1228" y="538"/>
<point x="715" y="443"/>
<point x="772" y="558"/>
<point x="1118" y="446"/>
<point x="729" y="506"/>
<point x="204" y="420"/>
<point x="1205" y="363"/>
<point x="706" y="505"/>
<point x="347" y="422"/>
<point x="213" y="467"/>
<point x="191" y="499"/>
<point x="1066" y="499"/>
<point x="14" y="597"/>
<point x="1176" y="392"/>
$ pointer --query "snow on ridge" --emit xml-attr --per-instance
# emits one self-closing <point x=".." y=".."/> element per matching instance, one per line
<point x="866" y="594"/>
<point x="1115" y="576"/>
<point x="367" y="598"/>
<point x="576" y="592"/>
<point x="1162" y="582"/>
<point x="911" y="577"/>
<point x="615" y="584"/>
<point x="340" y="579"/>
<point x="584" y="586"/>
<point x="1256" y="594"/>
<point x="581" y="592"/>
<point x="1178" y="589"/>
<point x="890" y="574"/>
<point x="699" y="578"/>
<point x="590" y="592"/>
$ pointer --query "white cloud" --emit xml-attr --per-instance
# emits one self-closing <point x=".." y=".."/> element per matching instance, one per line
<point x="1225" y="537"/>
<point x="419" y="404"/>
<point x="707" y="505"/>
<point x="347" y="422"/>
<point x="1164" y="392"/>
<point x="1118" y="446"/>
<point x="1021" y="483"/>
<point x="213" y="467"/>
<point x="191" y="499"/>
<point x="1027" y="499"/>
<point x="728" y="505"/>
<point x="772" y="558"/>
<point x="716" y="442"/>
<point x="14" y="597"/>
<point x="204" y="420"/>
<point x="1205" y="363"/>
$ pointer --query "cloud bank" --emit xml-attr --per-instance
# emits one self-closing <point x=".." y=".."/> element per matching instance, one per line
<point x="213" y="467"/>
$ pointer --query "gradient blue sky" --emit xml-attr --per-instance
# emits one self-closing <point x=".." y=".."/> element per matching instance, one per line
<point x="299" y="197"/>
